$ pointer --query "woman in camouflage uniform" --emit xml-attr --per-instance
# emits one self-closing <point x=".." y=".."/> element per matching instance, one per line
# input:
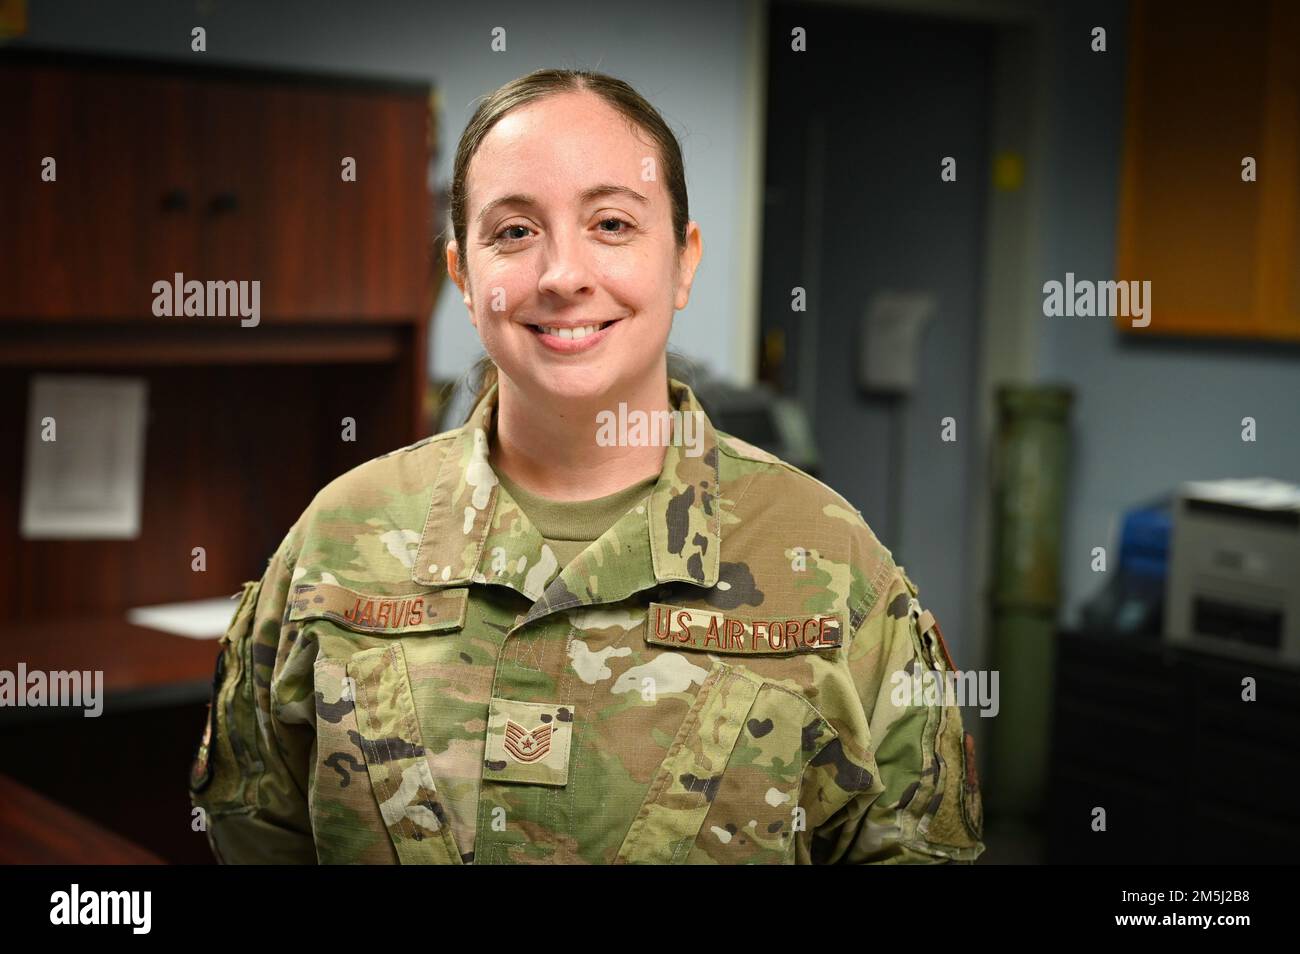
<point x="585" y="626"/>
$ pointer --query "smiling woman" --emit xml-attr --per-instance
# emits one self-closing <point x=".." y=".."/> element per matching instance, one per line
<point x="572" y="246"/>
<point x="522" y="641"/>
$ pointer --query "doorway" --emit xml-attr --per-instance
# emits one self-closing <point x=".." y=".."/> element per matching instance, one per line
<point x="854" y="207"/>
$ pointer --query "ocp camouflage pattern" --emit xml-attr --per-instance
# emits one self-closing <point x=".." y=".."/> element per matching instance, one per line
<point x="415" y="679"/>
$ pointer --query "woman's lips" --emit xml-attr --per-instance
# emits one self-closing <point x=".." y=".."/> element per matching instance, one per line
<point x="572" y="345"/>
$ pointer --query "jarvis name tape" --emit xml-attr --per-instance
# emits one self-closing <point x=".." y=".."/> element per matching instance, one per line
<point x="409" y="613"/>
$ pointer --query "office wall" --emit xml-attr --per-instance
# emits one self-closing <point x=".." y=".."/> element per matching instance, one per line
<point x="1148" y="414"/>
<point x="688" y="59"/>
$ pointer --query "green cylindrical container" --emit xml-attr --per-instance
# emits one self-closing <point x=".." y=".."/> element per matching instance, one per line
<point x="1030" y="465"/>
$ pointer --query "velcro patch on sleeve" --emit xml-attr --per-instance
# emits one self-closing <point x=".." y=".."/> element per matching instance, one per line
<point x="925" y="624"/>
<point x="681" y="627"/>
<point x="385" y="613"/>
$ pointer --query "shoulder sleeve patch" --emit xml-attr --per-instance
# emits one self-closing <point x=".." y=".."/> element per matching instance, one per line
<point x="926" y="625"/>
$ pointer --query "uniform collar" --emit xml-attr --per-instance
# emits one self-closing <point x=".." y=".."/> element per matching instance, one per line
<point x="475" y="533"/>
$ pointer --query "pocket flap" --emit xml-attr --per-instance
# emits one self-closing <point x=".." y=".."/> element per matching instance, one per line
<point x="683" y="789"/>
<point x="381" y="614"/>
<point x="388" y="735"/>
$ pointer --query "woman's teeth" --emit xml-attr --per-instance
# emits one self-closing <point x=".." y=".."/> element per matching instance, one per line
<point x="572" y="332"/>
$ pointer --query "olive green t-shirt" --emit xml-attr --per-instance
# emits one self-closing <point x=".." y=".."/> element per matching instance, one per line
<point x="569" y="526"/>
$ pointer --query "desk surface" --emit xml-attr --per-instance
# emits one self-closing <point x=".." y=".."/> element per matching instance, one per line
<point x="141" y="666"/>
<point x="37" y="831"/>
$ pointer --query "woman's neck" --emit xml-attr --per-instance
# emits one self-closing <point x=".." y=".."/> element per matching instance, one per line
<point x="553" y="451"/>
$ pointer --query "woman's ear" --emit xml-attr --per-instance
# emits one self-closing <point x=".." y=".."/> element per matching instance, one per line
<point x="455" y="268"/>
<point x="688" y="260"/>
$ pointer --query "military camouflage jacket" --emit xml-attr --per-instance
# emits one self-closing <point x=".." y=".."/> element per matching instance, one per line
<point x="414" y="679"/>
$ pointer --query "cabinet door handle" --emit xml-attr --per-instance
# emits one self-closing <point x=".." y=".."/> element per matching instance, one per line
<point x="225" y="202"/>
<point x="175" y="200"/>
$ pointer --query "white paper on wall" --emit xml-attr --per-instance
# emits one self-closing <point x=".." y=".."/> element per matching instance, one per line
<point x="83" y="471"/>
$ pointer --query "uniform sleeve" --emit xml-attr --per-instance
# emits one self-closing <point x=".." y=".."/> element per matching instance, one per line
<point x="923" y="805"/>
<point x="250" y="775"/>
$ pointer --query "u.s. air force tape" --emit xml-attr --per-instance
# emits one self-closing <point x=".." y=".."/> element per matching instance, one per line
<point x="682" y="627"/>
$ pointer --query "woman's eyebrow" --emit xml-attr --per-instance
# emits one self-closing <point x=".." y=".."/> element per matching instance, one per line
<point x="594" y="192"/>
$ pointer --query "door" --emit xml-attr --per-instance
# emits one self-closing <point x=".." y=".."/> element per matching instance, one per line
<point x="277" y="208"/>
<point x="857" y="128"/>
<point x="115" y="213"/>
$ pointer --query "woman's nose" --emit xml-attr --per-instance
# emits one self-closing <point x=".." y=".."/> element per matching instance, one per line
<point x="566" y="271"/>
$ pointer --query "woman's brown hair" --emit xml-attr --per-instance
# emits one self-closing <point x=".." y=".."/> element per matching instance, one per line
<point x="538" y="85"/>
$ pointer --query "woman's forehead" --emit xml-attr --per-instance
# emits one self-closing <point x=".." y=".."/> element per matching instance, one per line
<point x="566" y="142"/>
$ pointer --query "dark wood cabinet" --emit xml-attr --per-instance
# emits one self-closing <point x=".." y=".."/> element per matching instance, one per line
<point x="278" y="209"/>
<point x="1161" y="738"/>
<point x="221" y="175"/>
<point x="218" y="175"/>
<point x="90" y="243"/>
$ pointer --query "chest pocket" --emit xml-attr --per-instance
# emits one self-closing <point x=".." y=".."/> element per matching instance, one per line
<point x="372" y="796"/>
<point x="728" y="789"/>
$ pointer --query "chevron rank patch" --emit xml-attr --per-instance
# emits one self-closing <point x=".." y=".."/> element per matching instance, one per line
<point x="528" y="742"/>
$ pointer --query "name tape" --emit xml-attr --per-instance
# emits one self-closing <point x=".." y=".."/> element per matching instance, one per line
<point x="409" y="613"/>
<point x="685" y="628"/>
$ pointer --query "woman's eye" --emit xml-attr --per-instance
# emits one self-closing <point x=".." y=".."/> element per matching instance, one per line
<point x="612" y="225"/>
<point x="503" y="238"/>
<point x="617" y="221"/>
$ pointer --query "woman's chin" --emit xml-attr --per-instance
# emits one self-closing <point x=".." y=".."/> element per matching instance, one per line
<point x="576" y="385"/>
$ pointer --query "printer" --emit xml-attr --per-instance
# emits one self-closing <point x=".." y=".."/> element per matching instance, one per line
<point x="1234" y="569"/>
